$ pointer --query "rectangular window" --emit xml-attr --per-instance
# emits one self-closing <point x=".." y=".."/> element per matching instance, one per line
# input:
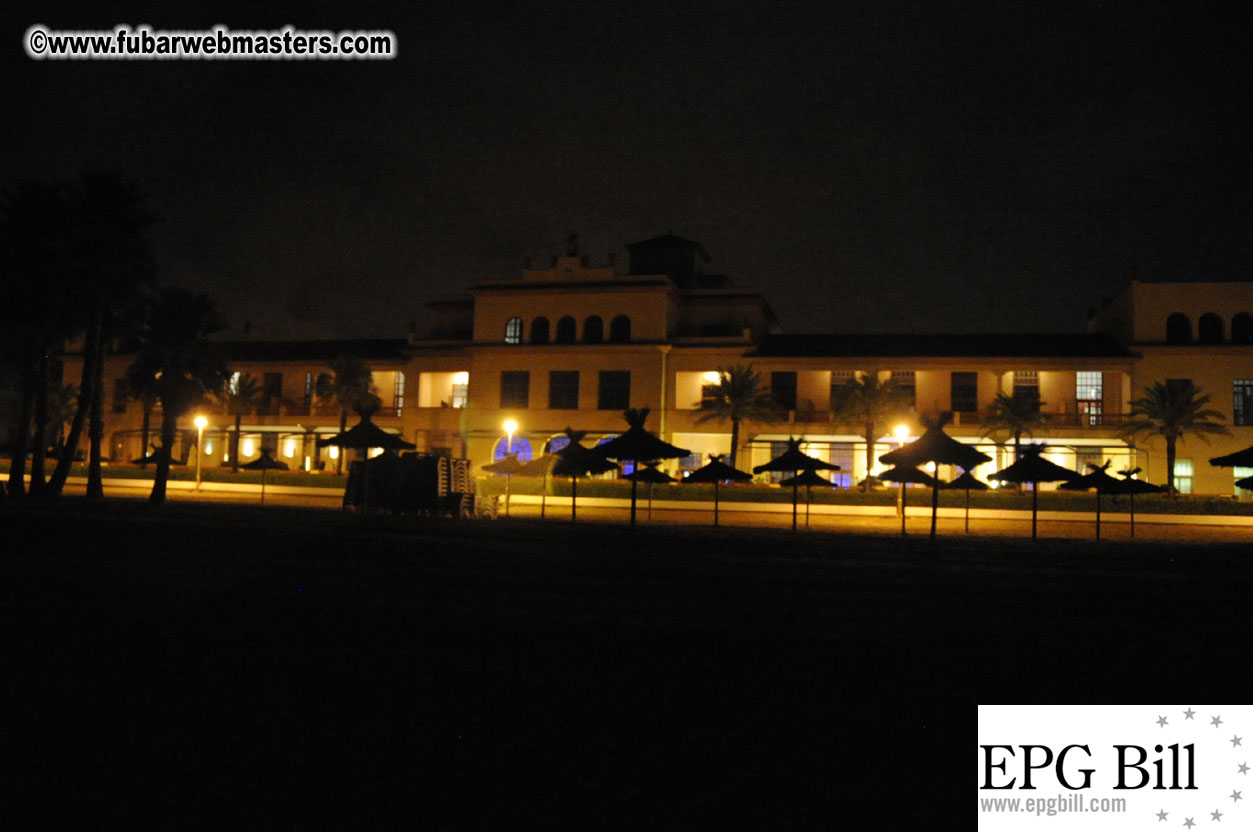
<point x="515" y="389"/>
<point x="783" y="389"/>
<point x="615" y="390"/>
<point x="778" y="449"/>
<point x="1027" y="386"/>
<point x="906" y="382"/>
<point x="1085" y="456"/>
<point x="271" y="392"/>
<point x="842" y="454"/>
<point x="563" y="390"/>
<point x="1089" y="395"/>
<point x="1242" y="401"/>
<point x="1174" y="385"/>
<point x="398" y="393"/>
<point x="690" y="463"/>
<point x="460" y="394"/>
<point x="964" y="389"/>
<point x="839" y="379"/>
<point x="1183" y="475"/>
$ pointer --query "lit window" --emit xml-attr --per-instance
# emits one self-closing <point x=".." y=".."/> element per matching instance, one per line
<point x="398" y="394"/>
<point x="1183" y="475"/>
<point x="513" y="331"/>
<point x="1242" y="401"/>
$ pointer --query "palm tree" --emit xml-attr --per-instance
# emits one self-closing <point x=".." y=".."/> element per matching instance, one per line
<point x="1015" y="416"/>
<point x="739" y="396"/>
<point x="144" y="391"/>
<point x="867" y="402"/>
<point x="349" y="385"/>
<point x="242" y="397"/>
<point x="1173" y="410"/>
<point x="62" y="403"/>
<point x="185" y="366"/>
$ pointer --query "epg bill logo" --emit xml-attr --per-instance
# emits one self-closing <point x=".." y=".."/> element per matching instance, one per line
<point x="1114" y="767"/>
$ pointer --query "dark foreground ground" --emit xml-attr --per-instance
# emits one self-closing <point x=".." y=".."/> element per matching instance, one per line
<point x="209" y="667"/>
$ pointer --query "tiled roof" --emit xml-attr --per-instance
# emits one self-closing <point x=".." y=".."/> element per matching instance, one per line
<point x="1063" y="345"/>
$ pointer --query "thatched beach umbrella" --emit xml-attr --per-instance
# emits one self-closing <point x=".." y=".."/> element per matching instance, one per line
<point x="936" y="446"/>
<point x="792" y="461"/>
<point x="576" y="461"/>
<point x="363" y="436"/>
<point x="1247" y="482"/>
<point x="717" y="472"/>
<point x="507" y="467"/>
<point x="1131" y="487"/>
<point x="904" y="474"/>
<point x="541" y="468"/>
<point x="1240" y="459"/>
<point x="808" y="479"/>
<point x="637" y="444"/>
<point x="264" y="463"/>
<point x="1033" y="468"/>
<point x="650" y="475"/>
<point x="969" y="482"/>
<point x="1095" y="478"/>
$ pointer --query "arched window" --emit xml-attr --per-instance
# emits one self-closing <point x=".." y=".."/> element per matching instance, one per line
<point x="593" y="330"/>
<point x="620" y="330"/>
<point x="1178" y="329"/>
<point x="1242" y="328"/>
<point x="557" y="443"/>
<point x="539" y="331"/>
<point x="520" y="446"/>
<point x="565" y="330"/>
<point x="513" y="331"/>
<point x="1209" y="329"/>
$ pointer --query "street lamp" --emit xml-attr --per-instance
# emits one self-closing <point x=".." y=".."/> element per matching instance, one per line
<point x="511" y="427"/>
<point x="901" y="432"/>
<point x="201" y="423"/>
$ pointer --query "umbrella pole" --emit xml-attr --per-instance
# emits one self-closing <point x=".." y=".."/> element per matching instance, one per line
<point x="543" y="495"/>
<point x="935" y="502"/>
<point x="1035" y="493"/>
<point x="574" y="498"/>
<point x="715" y="502"/>
<point x="1133" y="514"/>
<point x="635" y="467"/>
<point x="809" y="495"/>
<point x="262" y="486"/>
<point x="795" y="498"/>
<point x="967" y="511"/>
<point x="1098" y="514"/>
<point x="902" y="501"/>
<point x="507" y="478"/>
<point x="650" y="502"/>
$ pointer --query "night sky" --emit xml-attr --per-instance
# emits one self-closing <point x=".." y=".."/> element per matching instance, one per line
<point x="871" y="167"/>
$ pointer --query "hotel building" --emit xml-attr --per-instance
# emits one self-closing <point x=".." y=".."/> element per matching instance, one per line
<point x="574" y="344"/>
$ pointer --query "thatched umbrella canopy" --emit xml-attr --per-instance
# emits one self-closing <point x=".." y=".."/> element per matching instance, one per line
<point x="1247" y="482"/>
<point x="364" y="435"/>
<point x="1240" y="459"/>
<point x="1131" y="487"/>
<point x="969" y="482"/>
<point x="574" y="461"/>
<point x="808" y="479"/>
<point x="508" y="467"/>
<point x="1095" y="478"/>
<point x="637" y="444"/>
<point x="792" y="461"/>
<point x="904" y="474"/>
<point x="264" y="463"/>
<point x="936" y="446"/>
<point x="717" y="472"/>
<point x="649" y="474"/>
<point x="1033" y="468"/>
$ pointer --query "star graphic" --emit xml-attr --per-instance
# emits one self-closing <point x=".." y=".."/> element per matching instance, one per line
<point x="1234" y="740"/>
<point x="1235" y="795"/>
<point x="1161" y="816"/>
<point x="1216" y="721"/>
<point x="1161" y="722"/>
<point x="1244" y="768"/>
<point x="1188" y="713"/>
<point x="1216" y="815"/>
<point x="1188" y="823"/>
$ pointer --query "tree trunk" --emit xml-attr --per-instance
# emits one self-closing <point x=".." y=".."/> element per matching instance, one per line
<point x="343" y="426"/>
<point x="145" y="433"/>
<point x="869" y="428"/>
<point x="86" y="384"/>
<point x="95" y="430"/>
<point x="21" y="438"/>
<point x="735" y="439"/>
<point x="169" y="423"/>
<point x="1018" y="453"/>
<point x="40" y="450"/>
<point x="1170" y="467"/>
<point x="239" y="419"/>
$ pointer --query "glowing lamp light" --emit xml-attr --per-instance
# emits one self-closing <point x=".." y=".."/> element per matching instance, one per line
<point x="901" y="431"/>
<point x="201" y="423"/>
<point x="246" y="448"/>
<point x="712" y="377"/>
<point x="334" y="453"/>
<point x="375" y="452"/>
<point x="510" y="426"/>
<point x="289" y="449"/>
<point x="208" y="447"/>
